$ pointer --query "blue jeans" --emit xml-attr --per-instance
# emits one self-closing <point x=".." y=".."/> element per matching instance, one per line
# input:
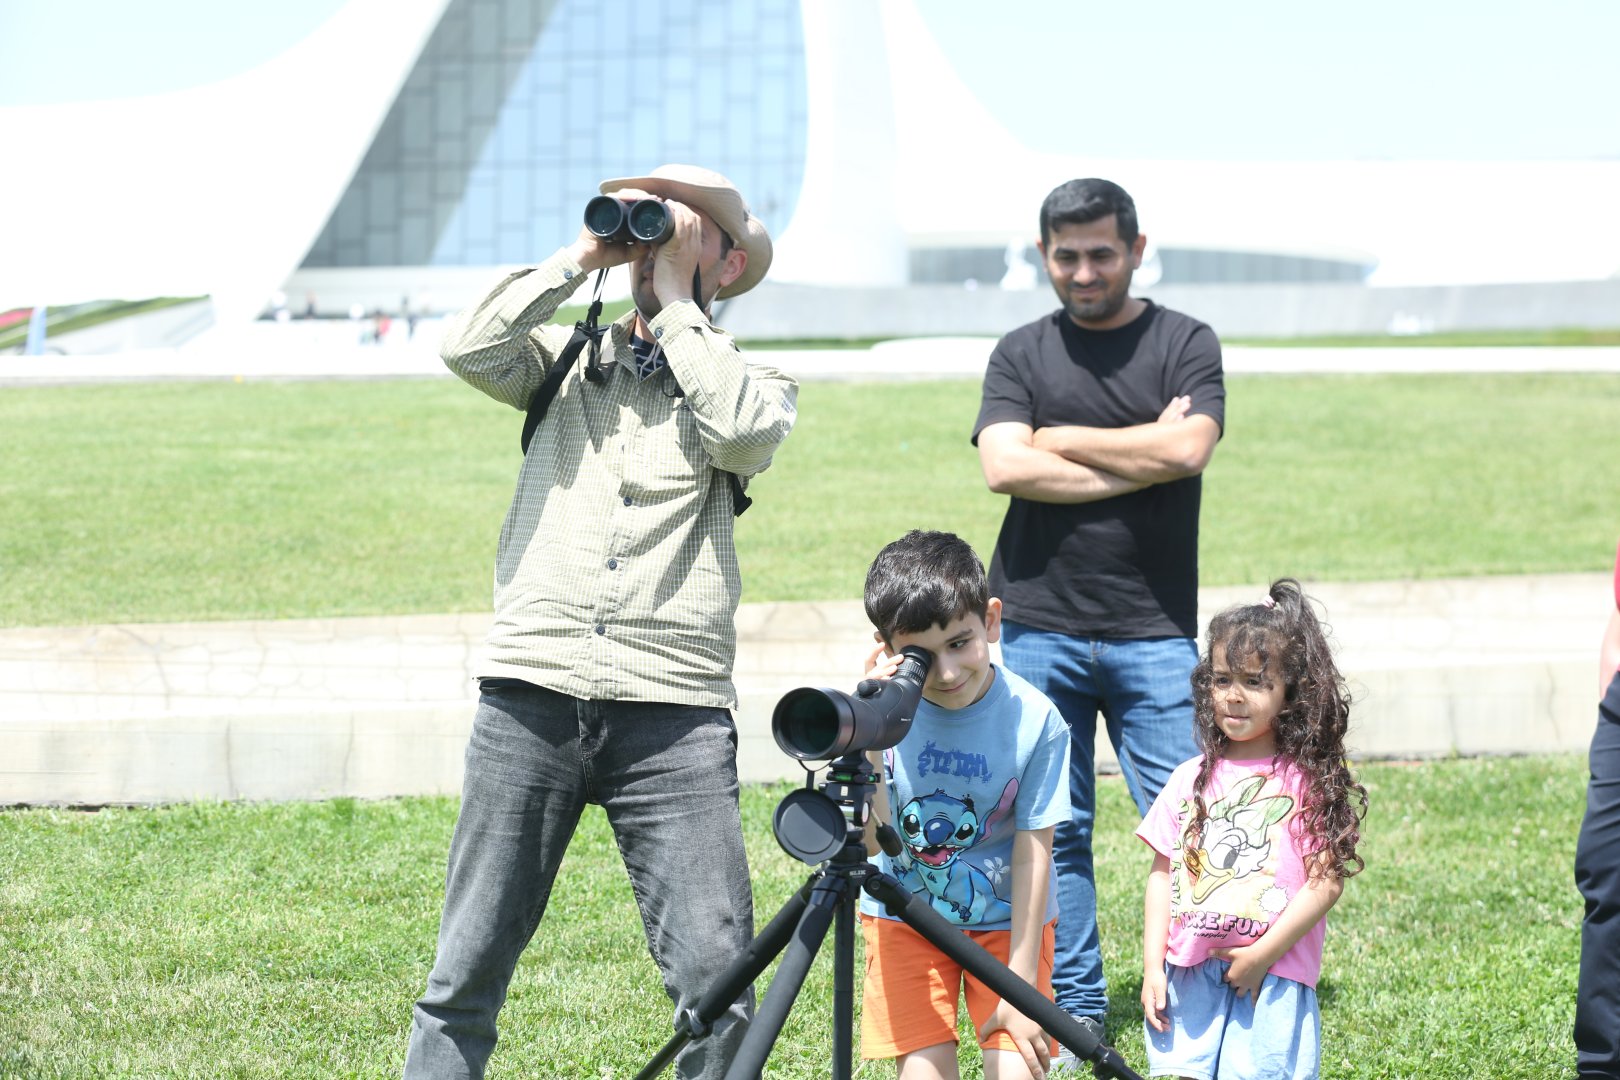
<point x="1143" y="688"/>
<point x="1276" y="1034"/>
<point x="667" y="777"/>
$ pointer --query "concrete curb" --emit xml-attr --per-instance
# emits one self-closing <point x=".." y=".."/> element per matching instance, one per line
<point x="373" y="707"/>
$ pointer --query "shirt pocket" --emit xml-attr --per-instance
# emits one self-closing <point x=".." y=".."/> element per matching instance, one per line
<point x="667" y="454"/>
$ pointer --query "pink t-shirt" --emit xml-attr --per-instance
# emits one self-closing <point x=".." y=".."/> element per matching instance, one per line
<point x="1251" y="859"/>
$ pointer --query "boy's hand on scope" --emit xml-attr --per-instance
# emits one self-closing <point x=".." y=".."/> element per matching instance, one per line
<point x="880" y="665"/>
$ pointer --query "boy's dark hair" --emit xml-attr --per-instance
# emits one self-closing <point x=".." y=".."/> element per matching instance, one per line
<point x="1080" y="202"/>
<point x="923" y="580"/>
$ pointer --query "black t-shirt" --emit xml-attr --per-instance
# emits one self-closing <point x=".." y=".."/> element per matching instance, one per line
<point x="1124" y="567"/>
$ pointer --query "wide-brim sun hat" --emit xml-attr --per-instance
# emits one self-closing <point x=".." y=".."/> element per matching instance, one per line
<point x="718" y="197"/>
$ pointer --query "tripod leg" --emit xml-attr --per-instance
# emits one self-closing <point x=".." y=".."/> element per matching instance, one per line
<point x="843" y="1061"/>
<point x="997" y="976"/>
<point x="737" y="978"/>
<point x="772" y="1013"/>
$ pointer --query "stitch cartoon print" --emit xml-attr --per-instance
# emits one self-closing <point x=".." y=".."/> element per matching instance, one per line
<point x="937" y="830"/>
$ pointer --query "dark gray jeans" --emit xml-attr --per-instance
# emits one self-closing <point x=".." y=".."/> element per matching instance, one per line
<point x="1597" y="875"/>
<point x="667" y="777"/>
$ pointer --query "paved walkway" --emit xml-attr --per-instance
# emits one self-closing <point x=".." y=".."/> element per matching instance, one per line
<point x="380" y="706"/>
<point x="328" y="349"/>
<point x="371" y="707"/>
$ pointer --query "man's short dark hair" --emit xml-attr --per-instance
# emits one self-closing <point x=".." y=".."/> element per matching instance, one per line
<point x="924" y="580"/>
<point x="1080" y="202"/>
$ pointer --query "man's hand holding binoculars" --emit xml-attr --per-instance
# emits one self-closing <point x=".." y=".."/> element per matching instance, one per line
<point x="663" y="241"/>
<point x="677" y="258"/>
<point x="595" y="252"/>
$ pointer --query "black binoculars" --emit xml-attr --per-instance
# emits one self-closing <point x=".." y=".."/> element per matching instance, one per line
<point x="629" y="221"/>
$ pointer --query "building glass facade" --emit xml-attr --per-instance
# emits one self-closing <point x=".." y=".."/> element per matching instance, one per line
<point x="1176" y="266"/>
<point x="517" y="110"/>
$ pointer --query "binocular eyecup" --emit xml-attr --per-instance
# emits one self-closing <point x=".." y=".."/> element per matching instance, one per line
<point x="818" y="724"/>
<point x="629" y="221"/>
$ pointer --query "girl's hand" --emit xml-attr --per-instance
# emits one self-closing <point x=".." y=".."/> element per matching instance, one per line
<point x="1248" y="970"/>
<point x="1153" y="1000"/>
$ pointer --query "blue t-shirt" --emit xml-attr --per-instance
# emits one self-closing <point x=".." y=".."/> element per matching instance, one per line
<point x="961" y="783"/>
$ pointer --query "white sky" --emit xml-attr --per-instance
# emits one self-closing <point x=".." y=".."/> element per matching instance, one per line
<point x="1497" y="80"/>
<point x="194" y="109"/>
<point x="1260" y="80"/>
<point x="59" y="51"/>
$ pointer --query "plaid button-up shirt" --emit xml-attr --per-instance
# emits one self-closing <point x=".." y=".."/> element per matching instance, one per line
<point x="616" y="576"/>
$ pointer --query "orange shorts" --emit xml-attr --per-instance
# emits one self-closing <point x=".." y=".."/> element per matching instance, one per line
<point x="909" y="999"/>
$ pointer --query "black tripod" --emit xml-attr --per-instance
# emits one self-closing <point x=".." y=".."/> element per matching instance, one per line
<point x="828" y="827"/>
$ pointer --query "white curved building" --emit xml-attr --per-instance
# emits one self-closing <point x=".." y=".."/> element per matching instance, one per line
<point x="410" y="148"/>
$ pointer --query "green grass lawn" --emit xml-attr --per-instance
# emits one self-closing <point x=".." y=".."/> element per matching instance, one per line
<point x="282" y="941"/>
<point x="218" y="500"/>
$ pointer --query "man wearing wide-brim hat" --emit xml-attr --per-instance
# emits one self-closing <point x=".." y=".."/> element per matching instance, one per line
<point x="607" y="676"/>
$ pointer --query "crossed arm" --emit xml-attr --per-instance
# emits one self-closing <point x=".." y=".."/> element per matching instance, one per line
<point x="1074" y="464"/>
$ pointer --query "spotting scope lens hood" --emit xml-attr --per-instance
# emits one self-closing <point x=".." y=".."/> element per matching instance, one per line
<point x="820" y="724"/>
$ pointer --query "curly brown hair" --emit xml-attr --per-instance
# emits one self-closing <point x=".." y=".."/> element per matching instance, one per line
<point x="1284" y="635"/>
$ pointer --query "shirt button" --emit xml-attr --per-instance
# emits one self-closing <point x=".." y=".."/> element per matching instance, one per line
<point x="627" y="500"/>
<point x="600" y="629"/>
<point x="568" y="275"/>
<point x="659" y="332"/>
<point x="613" y="564"/>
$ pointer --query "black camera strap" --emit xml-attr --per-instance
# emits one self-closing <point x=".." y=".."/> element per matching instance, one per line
<point x="586" y="331"/>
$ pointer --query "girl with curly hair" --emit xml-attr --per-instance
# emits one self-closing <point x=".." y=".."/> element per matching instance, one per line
<point x="1252" y="843"/>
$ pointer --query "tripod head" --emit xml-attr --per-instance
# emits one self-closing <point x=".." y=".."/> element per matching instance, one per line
<point x="828" y="823"/>
<point x="814" y="724"/>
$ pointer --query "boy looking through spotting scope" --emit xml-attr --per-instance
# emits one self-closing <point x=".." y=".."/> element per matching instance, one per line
<point x="973" y="791"/>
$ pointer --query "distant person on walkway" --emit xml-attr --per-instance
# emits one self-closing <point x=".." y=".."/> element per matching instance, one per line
<point x="976" y="841"/>
<point x="1252" y="842"/>
<point x="607" y="677"/>
<point x="1098" y="420"/>
<point x="1597" y="873"/>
